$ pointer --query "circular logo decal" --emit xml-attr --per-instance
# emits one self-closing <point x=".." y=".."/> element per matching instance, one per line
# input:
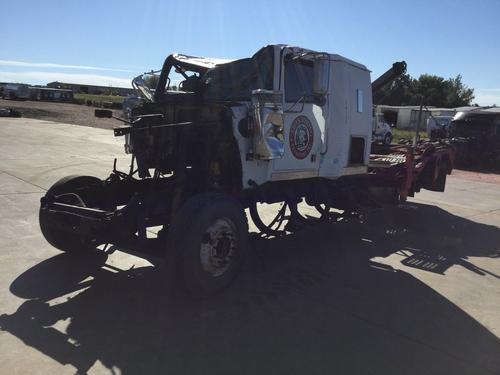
<point x="301" y="137"/>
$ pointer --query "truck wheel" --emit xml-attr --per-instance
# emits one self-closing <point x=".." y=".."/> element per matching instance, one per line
<point x="497" y="162"/>
<point x="388" y="139"/>
<point x="209" y="237"/>
<point x="62" y="240"/>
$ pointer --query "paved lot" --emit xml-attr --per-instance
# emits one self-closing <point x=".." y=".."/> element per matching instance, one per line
<point x="412" y="290"/>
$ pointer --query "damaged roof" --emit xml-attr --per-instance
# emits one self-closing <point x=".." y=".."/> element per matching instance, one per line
<point x="209" y="62"/>
<point x="202" y="62"/>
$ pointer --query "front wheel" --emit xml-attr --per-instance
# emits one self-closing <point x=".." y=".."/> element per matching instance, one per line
<point x="66" y="189"/>
<point x="209" y="237"/>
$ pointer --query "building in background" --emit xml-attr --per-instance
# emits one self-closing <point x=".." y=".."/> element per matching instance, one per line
<point x="406" y="117"/>
<point x="79" y="88"/>
<point x="22" y="91"/>
<point x="50" y="94"/>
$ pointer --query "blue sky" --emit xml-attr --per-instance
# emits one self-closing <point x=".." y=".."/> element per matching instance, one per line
<point x="108" y="42"/>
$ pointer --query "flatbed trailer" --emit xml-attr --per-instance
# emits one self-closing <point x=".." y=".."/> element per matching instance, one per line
<point x="409" y="169"/>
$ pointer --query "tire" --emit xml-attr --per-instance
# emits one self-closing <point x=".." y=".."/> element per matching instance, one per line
<point x="388" y="139"/>
<point x="206" y="224"/>
<point x="61" y="240"/>
<point x="497" y="162"/>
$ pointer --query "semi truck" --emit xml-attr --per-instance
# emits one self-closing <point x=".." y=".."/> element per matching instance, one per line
<point x="288" y="127"/>
<point x="476" y="137"/>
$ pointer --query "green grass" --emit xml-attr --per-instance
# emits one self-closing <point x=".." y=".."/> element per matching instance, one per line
<point x="408" y="134"/>
<point x="100" y="98"/>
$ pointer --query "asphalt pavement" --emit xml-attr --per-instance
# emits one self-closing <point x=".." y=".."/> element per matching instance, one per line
<point x="413" y="289"/>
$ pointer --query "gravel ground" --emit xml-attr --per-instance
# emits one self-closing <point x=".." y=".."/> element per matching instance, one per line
<point x="61" y="112"/>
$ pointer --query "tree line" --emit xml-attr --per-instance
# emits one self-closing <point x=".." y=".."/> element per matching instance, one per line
<point x="429" y="89"/>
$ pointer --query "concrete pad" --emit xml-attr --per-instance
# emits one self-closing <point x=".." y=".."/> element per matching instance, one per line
<point x="43" y="151"/>
<point x="412" y="290"/>
<point x="14" y="185"/>
<point x="461" y="193"/>
<point x="492" y="218"/>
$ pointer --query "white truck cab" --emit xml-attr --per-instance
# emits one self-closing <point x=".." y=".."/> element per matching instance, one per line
<point x="316" y="121"/>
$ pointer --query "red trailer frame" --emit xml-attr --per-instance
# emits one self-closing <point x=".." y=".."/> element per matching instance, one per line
<point x="410" y="169"/>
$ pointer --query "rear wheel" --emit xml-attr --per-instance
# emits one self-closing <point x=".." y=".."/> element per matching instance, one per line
<point x="209" y="237"/>
<point x="67" y="190"/>
<point x="497" y="162"/>
<point x="388" y="139"/>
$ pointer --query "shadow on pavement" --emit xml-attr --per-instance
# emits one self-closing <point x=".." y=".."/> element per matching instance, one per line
<point x="309" y="303"/>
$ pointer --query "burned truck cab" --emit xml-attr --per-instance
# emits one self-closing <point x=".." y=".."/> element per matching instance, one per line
<point x="290" y="113"/>
<point x="177" y="129"/>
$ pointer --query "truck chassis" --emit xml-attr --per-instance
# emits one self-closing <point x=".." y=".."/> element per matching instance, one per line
<point x="82" y="212"/>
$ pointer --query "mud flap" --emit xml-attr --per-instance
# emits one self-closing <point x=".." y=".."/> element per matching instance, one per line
<point x="435" y="178"/>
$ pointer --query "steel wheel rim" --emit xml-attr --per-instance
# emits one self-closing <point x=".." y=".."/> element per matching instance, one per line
<point x="218" y="247"/>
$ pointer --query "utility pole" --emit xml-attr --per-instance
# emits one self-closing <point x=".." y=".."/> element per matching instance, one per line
<point x="417" y="134"/>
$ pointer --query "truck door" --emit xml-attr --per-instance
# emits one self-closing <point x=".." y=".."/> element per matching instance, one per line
<point x="304" y="116"/>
